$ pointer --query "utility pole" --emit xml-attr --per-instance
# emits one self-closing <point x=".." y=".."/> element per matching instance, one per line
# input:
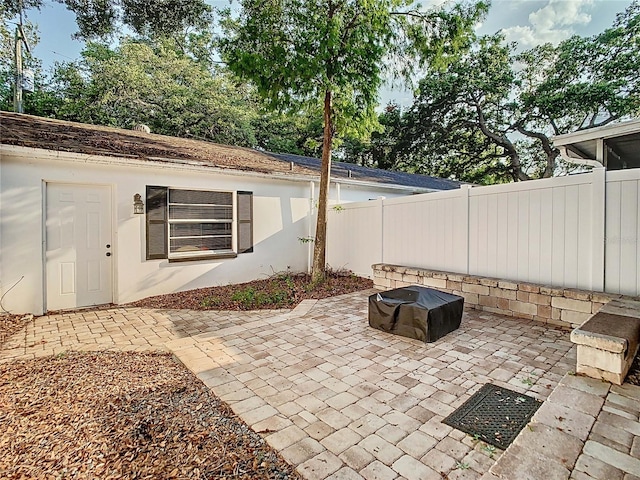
<point x="17" y="93"/>
<point x="20" y="39"/>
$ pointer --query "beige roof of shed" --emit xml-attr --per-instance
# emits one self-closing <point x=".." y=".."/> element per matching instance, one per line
<point x="62" y="136"/>
<point x="59" y="135"/>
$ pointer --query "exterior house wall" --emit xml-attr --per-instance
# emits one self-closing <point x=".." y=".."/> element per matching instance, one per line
<point x="281" y="215"/>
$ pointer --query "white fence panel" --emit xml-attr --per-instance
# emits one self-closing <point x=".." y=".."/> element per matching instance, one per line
<point x="354" y="236"/>
<point x="622" y="252"/>
<point x="580" y="231"/>
<point x="428" y="230"/>
<point x="537" y="232"/>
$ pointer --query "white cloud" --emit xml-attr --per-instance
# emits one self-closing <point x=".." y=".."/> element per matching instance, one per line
<point x="552" y="23"/>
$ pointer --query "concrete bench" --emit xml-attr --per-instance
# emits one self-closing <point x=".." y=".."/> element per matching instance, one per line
<point x="608" y="341"/>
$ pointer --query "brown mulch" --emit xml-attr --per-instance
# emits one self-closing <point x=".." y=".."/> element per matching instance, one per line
<point x="125" y="416"/>
<point x="633" y="377"/>
<point x="294" y="286"/>
<point x="10" y="324"/>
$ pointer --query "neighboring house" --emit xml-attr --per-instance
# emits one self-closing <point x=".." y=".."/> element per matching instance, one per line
<point x="94" y="215"/>
<point x="615" y="146"/>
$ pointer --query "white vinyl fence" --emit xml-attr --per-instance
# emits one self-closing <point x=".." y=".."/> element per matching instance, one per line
<point x="580" y="231"/>
<point x="622" y="252"/>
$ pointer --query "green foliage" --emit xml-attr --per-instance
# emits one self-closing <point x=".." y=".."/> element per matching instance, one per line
<point x="171" y="93"/>
<point x="102" y="18"/>
<point x="295" y="51"/>
<point x="297" y="133"/>
<point x="444" y="132"/>
<point x="490" y="449"/>
<point x="335" y="55"/>
<point x="33" y="102"/>
<point x="585" y="82"/>
<point x="488" y="116"/>
<point x="166" y="82"/>
<point x="380" y="149"/>
<point x="211" y="302"/>
<point x="527" y="381"/>
<point x="288" y="281"/>
<point x="157" y="84"/>
<point x="277" y="296"/>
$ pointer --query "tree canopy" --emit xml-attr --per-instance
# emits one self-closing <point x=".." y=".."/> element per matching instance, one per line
<point x="483" y="111"/>
<point x="100" y="18"/>
<point x="337" y="53"/>
<point x="157" y="84"/>
<point x="489" y="115"/>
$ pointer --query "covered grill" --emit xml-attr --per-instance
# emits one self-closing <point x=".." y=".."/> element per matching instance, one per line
<point x="416" y="312"/>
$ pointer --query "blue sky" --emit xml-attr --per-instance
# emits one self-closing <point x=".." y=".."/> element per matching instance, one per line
<point x="528" y="22"/>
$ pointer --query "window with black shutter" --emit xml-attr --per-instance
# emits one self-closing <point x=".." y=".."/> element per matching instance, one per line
<point x="185" y="224"/>
<point x="157" y="222"/>
<point x="245" y="222"/>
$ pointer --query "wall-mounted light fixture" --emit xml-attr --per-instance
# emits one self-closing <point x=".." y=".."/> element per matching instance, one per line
<point x="138" y="206"/>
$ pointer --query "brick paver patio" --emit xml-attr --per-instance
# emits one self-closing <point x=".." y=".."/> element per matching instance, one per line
<point x="343" y="401"/>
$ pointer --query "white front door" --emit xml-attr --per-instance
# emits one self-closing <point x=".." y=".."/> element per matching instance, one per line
<point x="78" y="246"/>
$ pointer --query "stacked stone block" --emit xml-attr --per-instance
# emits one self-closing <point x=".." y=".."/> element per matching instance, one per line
<point x="558" y="306"/>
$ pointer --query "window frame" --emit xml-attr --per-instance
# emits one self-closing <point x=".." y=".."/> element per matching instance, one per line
<point x="189" y="255"/>
<point x="157" y="210"/>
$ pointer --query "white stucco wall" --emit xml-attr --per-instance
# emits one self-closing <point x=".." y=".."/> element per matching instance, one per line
<point x="281" y="216"/>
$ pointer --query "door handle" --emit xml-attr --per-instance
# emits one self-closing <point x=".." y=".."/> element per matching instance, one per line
<point x="108" y="254"/>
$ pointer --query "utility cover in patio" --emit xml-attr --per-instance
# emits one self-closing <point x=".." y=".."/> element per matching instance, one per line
<point x="494" y="414"/>
<point x="416" y="312"/>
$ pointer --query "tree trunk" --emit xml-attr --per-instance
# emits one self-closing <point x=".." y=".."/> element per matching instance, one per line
<point x="318" y="269"/>
<point x="551" y="163"/>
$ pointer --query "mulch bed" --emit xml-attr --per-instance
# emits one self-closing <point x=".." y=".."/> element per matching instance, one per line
<point x="140" y="415"/>
<point x="125" y="416"/>
<point x="286" y="289"/>
<point x="633" y="377"/>
<point x="11" y="324"/>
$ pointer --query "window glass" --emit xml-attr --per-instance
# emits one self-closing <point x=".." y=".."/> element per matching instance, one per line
<point x="184" y="223"/>
<point x="200" y="222"/>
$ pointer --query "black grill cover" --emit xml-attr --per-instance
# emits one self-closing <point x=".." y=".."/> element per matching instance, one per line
<point x="416" y="312"/>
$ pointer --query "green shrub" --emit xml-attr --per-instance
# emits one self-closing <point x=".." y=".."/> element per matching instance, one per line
<point x="249" y="297"/>
<point x="211" y="302"/>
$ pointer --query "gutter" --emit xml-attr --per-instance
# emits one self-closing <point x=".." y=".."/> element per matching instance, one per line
<point x="565" y="153"/>
<point x="59" y="155"/>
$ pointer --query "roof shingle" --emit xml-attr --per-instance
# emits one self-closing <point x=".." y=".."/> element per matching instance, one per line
<point x="59" y="135"/>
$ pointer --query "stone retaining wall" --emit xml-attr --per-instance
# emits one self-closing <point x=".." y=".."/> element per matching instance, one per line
<point x="558" y="306"/>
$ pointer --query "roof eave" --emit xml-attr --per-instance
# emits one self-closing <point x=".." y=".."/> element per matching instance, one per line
<point x="62" y="155"/>
<point x="607" y="131"/>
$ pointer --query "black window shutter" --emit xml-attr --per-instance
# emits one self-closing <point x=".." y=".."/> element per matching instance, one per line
<point x="245" y="222"/>
<point x="157" y="244"/>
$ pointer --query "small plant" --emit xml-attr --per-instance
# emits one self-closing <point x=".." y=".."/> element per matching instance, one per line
<point x="245" y="296"/>
<point x="250" y="298"/>
<point x="286" y="278"/>
<point x="337" y="208"/>
<point x="211" y="302"/>
<point x="527" y="381"/>
<point x="306" y="239"/>
<point x="462" y="466"/>
<point x="490" y="449"/>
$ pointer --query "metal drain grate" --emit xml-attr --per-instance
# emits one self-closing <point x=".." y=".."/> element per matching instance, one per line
<point x="494" y="414"/>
